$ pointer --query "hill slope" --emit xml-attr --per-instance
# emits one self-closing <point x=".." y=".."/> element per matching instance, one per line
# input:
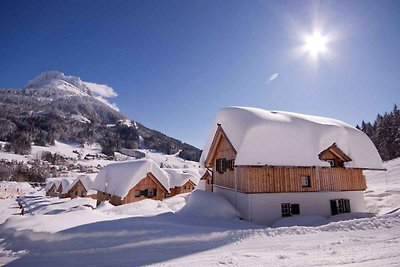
<point x="58" y="107"/>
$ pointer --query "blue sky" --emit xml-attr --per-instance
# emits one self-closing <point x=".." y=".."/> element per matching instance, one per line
<point x="174" y="64"/>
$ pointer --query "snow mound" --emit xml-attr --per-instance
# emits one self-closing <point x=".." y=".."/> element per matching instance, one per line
<point x="146" y="207"/>
<point x="351" y="216"/>
<point x="177" y="202"/>
<point x="262" y="137"/>
<point x="118" y="178"/>
<point x="208" y="205"/>
<point x="310" y="220"/>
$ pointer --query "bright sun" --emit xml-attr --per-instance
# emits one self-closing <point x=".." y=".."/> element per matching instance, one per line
<point x="315" y="44"/>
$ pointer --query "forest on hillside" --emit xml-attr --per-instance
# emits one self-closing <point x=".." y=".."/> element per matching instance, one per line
<point x="385" y="133"/>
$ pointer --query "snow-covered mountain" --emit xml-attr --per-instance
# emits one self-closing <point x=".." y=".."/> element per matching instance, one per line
<point x="54" y="106"/>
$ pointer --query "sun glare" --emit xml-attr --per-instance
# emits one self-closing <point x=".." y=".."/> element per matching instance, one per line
<point x="315" y="44"/>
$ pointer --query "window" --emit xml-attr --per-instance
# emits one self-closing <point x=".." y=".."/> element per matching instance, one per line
<point x="332" y="162"/>
<point x="151" y="192"/>
<point x="290" y="209"/>
<point x="231" y="164"/>
<point x="137" y="193"/>
<point x="285" y="207"/>
<point x="339" y="206"/>
<point x="220" y="165"/>
<point x="305" y="181"/>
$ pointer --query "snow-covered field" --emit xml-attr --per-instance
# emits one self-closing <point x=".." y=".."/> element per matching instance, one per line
<point x="195" y="229"/>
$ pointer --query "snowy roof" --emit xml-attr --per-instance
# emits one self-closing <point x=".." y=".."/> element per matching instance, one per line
<point x="118" y="178"/>
<point x="65" y="185"/>
<point x="277" y="138"/>
<point x="87" y="182"/>
<point x="179" y="177"/>
<point x="48" y="186"/>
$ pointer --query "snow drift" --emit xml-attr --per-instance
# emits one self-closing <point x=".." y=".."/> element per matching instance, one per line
<point x="208" y="205"/>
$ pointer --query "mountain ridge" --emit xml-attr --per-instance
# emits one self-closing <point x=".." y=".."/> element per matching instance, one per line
<point x="57" y="107"/>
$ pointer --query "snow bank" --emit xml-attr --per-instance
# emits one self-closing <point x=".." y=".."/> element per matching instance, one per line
<point x="263" y="137"/>
<point x="118" y="178"/>
<point x="351" y="216"/>
<point x="146" y="207"/>
<point x="208" y="205"/>
<point x="310" y="220"/>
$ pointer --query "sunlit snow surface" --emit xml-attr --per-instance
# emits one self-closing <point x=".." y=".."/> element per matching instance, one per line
<point x="205" y="233"/>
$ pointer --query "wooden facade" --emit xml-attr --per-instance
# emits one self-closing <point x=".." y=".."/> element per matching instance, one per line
<point x="52" y="191"/>
<point x="279" y="179"/>
<point x="289" y="179"/>
<point x="186" y="188"/>
<point x="139" y="192"/>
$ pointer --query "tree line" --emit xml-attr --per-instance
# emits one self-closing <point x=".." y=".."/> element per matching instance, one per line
<point x="385" y="133"/>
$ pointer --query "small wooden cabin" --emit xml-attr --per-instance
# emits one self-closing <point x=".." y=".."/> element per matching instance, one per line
<point x="187" y="187"/>
<point x="54" y="189"/>
<point x="127" y="182"/>
<point x="182" y="181"/>
<point x="81" y="187"/>
<point x="276" y="164"/>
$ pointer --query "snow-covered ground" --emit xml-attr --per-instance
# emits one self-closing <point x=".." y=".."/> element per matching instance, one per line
<point x="69" y="150"/>
<point x="195" y="229"/>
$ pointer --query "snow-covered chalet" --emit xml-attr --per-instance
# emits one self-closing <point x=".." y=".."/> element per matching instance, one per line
<point x="272" y="164"/>
<point x="126" y="182"/>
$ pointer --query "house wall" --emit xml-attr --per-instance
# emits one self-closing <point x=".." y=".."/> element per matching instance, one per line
<point x="101" y="196"/>
<point x="288" y="179"/>
<point x="223" y="150"/>
<point x="145" y="183"/>
<point x="186" y="188"/>
<point x="265" y="209"/>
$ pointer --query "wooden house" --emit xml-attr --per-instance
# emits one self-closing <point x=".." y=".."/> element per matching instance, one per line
<point x="182" y="181"/>
<point x="127" y="182"/>
<point x="53" y="190"/>
<point x="271" y="164"/>
<point x="82" y="187"/>
<point x="63" y="188"/>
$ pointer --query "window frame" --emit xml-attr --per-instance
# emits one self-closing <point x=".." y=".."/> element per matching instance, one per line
<point x="220" y="165"/>
<point x="152" y="194"/>
<point x="305" y="181"/>
<point x="285" y="210"/>
<point x="288" y="208"/>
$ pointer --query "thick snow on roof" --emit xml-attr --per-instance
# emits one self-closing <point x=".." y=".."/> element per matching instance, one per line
<point x="65" y="185"/>
<point x="179" y="177"/>
<point x="48" y="186"/>
<point x="278" y="138"/>
<point x="118" y="178"/>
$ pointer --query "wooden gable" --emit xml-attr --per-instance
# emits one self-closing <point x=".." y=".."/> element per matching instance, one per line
<point x="206" y="176"/>
<point x="335" y="154"/>
<point x="222" y="144"/>
<point x="157" y="182"/>
<point x="78" y="184"/>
